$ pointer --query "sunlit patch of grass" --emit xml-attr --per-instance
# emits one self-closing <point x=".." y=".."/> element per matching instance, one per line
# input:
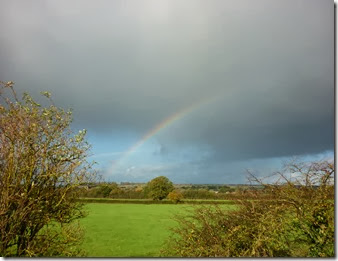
<point x="129" y="230"/>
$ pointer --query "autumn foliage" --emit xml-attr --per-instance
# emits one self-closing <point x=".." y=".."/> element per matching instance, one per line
<point x="296" y="221"/>
<point x="175" y="196"/>
<point x="158" y="188"/>
<point x="42" y="163"/>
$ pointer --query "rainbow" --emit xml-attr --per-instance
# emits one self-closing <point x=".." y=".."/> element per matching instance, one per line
<point x="164" y="124"/>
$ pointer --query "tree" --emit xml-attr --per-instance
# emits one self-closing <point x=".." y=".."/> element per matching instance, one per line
<point x="297" y="219"/>
<point x="42" y="164"/>
<point x="115" y="190"/>
<point x="226" y="189"/>
<point x="175" y="196"/>
<point x="159" y="188"/>
<point x="199" y="194"/>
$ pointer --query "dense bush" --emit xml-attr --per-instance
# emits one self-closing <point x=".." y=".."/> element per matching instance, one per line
<point x="298" y="222"/>
<point x="111" y="190"/>
<point x="225" y="189"/>
<point x="175" y="196"/>
<point x="42" y="165"/>
<point x="199" y="194"/>
<point x="158" y="188"/>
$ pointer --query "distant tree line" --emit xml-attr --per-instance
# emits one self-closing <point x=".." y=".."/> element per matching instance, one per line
<point x="114" y="191"/>
<point x="111" y="190"/>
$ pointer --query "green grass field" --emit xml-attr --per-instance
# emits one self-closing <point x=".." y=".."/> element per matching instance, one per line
<point x="128" y="230"/>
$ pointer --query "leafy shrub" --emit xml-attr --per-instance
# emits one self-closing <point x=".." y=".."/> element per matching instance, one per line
<point x="104" y="190"/>
<point x="199" y="194"/>
<point x="158" y="188"/>
<point x="42" y="166"/>
<point x="298" y="222"/>
<point x="225" y="189"/>
<point x="175" y="196"/>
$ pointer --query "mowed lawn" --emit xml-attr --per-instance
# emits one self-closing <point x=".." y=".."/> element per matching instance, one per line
<point x="129" y="230"/>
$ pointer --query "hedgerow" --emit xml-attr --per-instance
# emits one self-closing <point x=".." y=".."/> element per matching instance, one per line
<point x="298" y="222"/>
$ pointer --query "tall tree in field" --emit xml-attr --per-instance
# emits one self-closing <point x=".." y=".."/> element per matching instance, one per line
<point x="159" y="188"/>
<point x="42" y="163"/>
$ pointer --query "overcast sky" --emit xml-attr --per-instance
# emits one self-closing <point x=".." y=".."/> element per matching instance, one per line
<point x="235" y="84"/>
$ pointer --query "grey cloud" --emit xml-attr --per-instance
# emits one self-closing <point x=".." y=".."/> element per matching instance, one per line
<point x="127" y="65"/>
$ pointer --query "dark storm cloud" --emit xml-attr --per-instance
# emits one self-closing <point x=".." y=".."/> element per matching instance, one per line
<point x="127" y="65"/>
